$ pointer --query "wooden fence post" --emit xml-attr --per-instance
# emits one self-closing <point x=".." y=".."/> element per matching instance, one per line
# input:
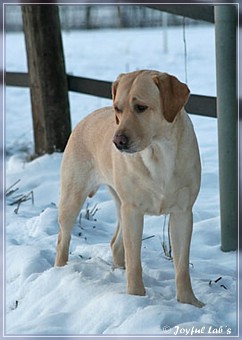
<point x="47" y="76"/>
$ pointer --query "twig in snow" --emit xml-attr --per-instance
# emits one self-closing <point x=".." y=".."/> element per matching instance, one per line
<point x="223" y="286"/>
<point x="18" y="199"/>
<point x="167" y="249"/>
<point x="216" y="281"/>
<point x="9" y="191"/>
<point x="15" y="305"/>
<point x="89" y="214"/>
<point x="147" y="238"/>
<point x="22" y="199"/>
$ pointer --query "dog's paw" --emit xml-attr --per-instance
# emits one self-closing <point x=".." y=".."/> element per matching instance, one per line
<point x="137" y="290"/>
<point x="200" y="304"/>
<point x="192" y="301"/>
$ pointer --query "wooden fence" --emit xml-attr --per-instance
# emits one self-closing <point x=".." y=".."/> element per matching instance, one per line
<point x="197" y="104"/>
<point x="95" y="16"/>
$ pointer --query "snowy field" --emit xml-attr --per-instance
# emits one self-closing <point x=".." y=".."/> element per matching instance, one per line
<point x="88" y="296"/>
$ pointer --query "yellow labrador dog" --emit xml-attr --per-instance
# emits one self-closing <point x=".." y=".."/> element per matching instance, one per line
<point x="145" y="150"/>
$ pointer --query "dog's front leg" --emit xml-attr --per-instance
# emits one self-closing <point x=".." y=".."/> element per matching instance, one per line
<point x="132" y="227"/>
<point x="181" y="224"/>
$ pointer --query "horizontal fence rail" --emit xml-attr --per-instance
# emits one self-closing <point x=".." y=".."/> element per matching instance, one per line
<point x="203" y="12"/>
<point x="197" y="104"/>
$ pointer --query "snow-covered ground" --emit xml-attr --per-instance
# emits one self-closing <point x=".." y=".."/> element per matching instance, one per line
<point x="88" y="296"/>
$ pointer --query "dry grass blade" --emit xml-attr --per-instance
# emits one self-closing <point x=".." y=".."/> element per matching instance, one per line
<point x="216" y="281"/>
<point x="10" y="191"/>
<point x="22" y="199"/>
<point x="90" y="213"/>
<point x="18" y="199"/>
<point x="148" y="237"/>
<point x="167" y="248"/>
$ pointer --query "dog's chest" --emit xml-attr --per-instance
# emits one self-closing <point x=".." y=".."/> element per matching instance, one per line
<point x="160" y="186"/>
<point x="159" y="163"/>
<point x="163" y="178"/>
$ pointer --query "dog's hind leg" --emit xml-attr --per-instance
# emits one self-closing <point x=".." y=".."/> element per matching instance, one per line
<point x="117" y="239"/>
<point x="70" y="205"/>
<point x="76" y="183"/>
<point x="118" y="247"/>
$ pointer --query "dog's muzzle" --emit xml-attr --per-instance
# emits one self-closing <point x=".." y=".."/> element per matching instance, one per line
<point x="121" y="142"/>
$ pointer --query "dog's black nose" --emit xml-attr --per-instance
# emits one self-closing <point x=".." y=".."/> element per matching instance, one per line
<point x="121" y="142"/>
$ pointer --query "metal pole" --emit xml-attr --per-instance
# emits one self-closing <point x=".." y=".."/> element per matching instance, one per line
<point x="227" y="113"/>
<point x="165" y="32"/>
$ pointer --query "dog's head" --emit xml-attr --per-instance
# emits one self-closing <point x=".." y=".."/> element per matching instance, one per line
<point x="144" y="102"/>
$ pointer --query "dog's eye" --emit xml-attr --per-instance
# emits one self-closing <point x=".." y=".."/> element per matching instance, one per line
<point x="140" y="108"/>
<point x="117" y="109"/>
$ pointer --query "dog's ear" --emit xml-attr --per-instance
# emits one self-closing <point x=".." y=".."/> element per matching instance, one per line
<point x="115" y="86"/>
<point x="174" y="94"/>
<point x="114" y="89"/>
